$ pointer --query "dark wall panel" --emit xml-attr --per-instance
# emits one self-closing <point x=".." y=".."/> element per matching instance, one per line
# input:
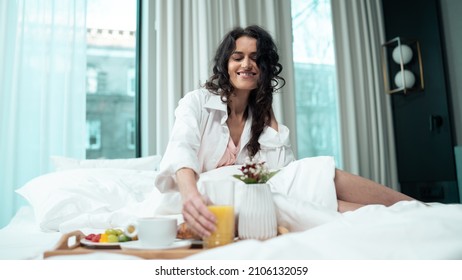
<point x="426" y="165"/>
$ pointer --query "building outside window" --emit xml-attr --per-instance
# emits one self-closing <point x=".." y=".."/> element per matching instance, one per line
<point x="111" y="78"/>
<point x="315" y="80"/>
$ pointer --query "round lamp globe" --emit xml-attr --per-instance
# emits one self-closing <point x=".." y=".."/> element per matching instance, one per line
<point x="406" y="51"/>
<point x="409" y="79"/>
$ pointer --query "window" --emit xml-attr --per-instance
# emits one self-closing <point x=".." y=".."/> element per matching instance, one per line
<point x="131" y="82"/>
<point x="111" y="79"/>
<point x="315" y="79"/>
<point x="131" y="137"/>
<point x="92" y="79"/>
<point x="93" y="134"/>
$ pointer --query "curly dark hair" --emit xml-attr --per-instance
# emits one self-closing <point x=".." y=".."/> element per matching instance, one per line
<point x="261" y="98"/>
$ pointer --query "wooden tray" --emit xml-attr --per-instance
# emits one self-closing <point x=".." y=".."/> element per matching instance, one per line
<point x="69" y="244"/>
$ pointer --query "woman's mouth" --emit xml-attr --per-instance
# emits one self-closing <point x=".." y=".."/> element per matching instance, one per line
<point x="246" y="74"/>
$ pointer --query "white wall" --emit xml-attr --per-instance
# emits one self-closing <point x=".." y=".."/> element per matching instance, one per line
<point x="452" y="25"/>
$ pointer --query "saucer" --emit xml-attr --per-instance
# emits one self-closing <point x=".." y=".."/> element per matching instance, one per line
<point x="137" y="245"/>
<point x="105" y="245"/>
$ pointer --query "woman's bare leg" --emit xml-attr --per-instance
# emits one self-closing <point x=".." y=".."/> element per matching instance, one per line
<point x="358" y="191"/>
<point x="344" y="206"/>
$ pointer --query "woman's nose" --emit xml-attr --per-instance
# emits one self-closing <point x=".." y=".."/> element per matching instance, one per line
<point x="246" y="63"/>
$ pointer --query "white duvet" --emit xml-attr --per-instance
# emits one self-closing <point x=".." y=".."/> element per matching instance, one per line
<point x="406" y="230"/>
<point x="303" y="193"/>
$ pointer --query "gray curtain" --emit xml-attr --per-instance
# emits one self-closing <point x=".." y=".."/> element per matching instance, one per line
<point x="365" y="111"/>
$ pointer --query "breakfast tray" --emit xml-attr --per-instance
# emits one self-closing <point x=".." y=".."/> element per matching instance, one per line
<point x="69" y="244"/>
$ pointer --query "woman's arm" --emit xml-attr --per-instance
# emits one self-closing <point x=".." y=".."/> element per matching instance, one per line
<point x="184" y="142"/>
<point x="195" y="212"/>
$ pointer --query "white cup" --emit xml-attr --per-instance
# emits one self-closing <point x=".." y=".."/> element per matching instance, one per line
<point x="154" y="231"/>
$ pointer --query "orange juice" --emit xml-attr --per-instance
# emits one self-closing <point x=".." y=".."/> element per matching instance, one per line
<point x="224" y="233"/>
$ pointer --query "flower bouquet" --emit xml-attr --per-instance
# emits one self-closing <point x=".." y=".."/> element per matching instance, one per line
<point x="254" y="172"/>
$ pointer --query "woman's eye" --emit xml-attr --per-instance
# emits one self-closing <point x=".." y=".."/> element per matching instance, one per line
<point x="238" y="57"/>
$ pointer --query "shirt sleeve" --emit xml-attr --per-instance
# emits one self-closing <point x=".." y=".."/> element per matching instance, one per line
<point x="275" y="148"/>
<point x="182" y="149"/>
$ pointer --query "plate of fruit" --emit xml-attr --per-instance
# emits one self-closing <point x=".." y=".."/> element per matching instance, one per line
<point x="110" y="238"/>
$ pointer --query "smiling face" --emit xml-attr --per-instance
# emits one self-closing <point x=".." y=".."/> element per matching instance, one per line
<point x="242" y="66"/>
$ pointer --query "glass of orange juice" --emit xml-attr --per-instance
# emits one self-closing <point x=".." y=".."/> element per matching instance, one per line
<point x="220" y="197"/>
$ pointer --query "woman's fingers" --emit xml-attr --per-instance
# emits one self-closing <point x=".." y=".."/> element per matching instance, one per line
<point x="198" y="217"/>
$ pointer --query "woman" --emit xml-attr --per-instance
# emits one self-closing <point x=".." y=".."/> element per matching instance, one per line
<point x="232" y="118"/>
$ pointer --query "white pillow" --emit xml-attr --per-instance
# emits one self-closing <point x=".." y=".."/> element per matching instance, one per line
<point x="143" y="163"/>
<point x="300" y="215"/>
<point x="309" y="179"/>
<point x="60" y="196"/>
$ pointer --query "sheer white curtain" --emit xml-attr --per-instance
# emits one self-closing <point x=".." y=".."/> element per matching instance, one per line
<point x="186" y="35"/>
<point x="42" y="90"/>
<point x="365" y="112"/>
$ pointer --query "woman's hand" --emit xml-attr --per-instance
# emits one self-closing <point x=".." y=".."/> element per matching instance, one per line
<point x="195" y="211"/>
<point x="197" y="215"/>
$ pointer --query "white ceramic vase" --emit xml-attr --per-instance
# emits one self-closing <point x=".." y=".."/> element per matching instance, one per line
<point x="257" y="214"/>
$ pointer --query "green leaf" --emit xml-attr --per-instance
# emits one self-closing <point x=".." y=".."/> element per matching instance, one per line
<point x="237" y="176"/>
<point x="264" y="179"/>
<point x="246" y="180"/>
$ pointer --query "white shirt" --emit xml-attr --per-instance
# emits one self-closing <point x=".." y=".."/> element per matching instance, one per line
<point x="200" y="136"/>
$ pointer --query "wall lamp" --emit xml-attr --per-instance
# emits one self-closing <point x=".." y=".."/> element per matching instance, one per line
<point x="402" y="66"/>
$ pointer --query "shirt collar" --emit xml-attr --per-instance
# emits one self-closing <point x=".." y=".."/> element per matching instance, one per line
<point x="215" y="103"/>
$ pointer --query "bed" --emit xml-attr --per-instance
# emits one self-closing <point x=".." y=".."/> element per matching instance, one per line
<point x="92" y="196"/>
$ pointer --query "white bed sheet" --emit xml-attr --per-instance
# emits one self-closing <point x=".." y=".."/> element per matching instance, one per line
<point x="23" y="239"/>
<point x="406" y="230"/>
